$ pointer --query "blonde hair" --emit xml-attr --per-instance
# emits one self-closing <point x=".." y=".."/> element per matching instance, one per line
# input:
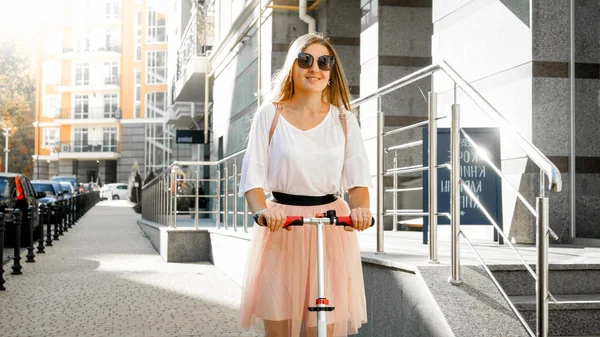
<point x="282" y="84"/>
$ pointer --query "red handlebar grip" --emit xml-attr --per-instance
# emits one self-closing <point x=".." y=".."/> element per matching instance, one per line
<point x="294" y="221"/>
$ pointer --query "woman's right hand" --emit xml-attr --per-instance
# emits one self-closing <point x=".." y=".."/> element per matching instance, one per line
<point x="275" y="218"/>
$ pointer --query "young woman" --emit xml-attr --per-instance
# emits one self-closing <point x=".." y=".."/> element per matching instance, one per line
<point x="304" y="147"/>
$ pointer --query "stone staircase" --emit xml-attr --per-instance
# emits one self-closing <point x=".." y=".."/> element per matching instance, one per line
<point x="568" y="282"/>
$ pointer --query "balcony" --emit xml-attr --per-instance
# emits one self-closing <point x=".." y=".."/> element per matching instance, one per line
<point x="89" y="115"/>
<point x="97" y="83"/>
<point x="112" y="52"/>
<point x="184" y="115"/>
<point x="192" y="63"/>
<point x="86" y="149"/>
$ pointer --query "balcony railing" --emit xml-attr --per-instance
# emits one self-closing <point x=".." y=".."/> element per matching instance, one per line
<point x="86" y="146"/>
<point x="94" y="49"/>
<point x="86" y="112"/>
<point x="196" y="41"/>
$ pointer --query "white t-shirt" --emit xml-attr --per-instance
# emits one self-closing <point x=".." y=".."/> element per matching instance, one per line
<point x="304" y="162"/>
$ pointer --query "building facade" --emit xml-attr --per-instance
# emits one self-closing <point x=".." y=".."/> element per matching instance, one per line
<point x="102" y="89"/>
<point x="535" y="62"/>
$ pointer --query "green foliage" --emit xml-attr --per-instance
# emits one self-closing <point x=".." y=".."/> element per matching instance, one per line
<point x="17" y="108"/>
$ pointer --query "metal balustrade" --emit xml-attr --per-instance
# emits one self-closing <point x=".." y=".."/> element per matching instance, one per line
<point x="161" y="195"/>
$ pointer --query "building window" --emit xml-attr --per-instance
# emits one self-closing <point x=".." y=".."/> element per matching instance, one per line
<point x="81" y="107"/>
<point x="111" y="71"/>
<point x="156" y="67"/>
<point x="137" y="86"/>
<point x="51" y="137"/>
<point x="157" y="21"/>
<point x="51" y="105"/>
<point x="82" y="74"/>
<point x="83" y="41"/>
<point x="156" y="104"/>
<point x="81" y="140"/>
<point x="52" y="73"/>
<point x="109" y="141"/>
<point x="113" y="9"/>
<point x="53" y="43"/>
<point x="138" y="36"/>
<point x="111" y="105"/>
<point x="112" y="41"/>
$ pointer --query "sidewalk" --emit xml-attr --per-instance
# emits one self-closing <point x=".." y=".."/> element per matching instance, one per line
<point x="103" y="278"/>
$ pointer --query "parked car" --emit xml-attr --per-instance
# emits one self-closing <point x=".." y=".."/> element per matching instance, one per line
<point x="68" y="189"/>
<point x="114" y="191"/>
<point x="53" y="190"/>
<point x="71" y="179"/>
<point x="17" y="192"/>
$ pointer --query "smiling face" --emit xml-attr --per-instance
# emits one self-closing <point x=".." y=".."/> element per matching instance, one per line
<point x="312" y="79"/>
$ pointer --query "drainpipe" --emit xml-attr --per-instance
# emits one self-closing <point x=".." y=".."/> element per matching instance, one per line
<point x="207" y="77"/>
<point x="306" y="18"/>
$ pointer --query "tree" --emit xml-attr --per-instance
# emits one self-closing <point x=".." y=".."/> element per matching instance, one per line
<point x="149" y="177"/>
<point x="135" y="193"/>
<point x="17" y="102"/>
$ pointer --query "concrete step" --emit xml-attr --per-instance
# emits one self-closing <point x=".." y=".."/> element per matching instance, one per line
<point x="565" y="319"/>
<point x="571" y="279"/>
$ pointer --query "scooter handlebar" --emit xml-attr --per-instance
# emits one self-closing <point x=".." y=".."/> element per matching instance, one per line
<point x="299" y="221"/>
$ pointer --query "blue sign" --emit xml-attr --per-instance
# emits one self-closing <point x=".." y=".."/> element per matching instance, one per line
<point x="475" y="173"/>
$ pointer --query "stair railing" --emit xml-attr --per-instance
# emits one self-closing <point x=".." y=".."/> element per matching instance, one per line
<point x="547" y="168"/>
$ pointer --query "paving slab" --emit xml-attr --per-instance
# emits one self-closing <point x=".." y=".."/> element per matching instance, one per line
<point x="104" y="278"/>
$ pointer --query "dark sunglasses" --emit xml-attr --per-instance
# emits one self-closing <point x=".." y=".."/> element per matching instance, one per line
<point x="324" y="62"/>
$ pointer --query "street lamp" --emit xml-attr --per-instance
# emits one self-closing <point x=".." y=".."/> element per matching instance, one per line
<point x="6" y="134"/>
<point x="55" y="152"/>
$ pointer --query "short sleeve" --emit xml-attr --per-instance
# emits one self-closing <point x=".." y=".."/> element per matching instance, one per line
<point x="256" y="161"/>
<point x="356" y="162"/>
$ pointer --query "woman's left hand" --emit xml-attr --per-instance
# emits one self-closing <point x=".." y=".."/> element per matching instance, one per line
<point x="361" y="219"/>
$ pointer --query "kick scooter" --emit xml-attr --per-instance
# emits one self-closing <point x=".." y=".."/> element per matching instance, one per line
<point x="321" y="219"/>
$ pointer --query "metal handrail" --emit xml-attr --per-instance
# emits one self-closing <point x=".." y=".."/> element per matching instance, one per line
<point x="554" y="176"/>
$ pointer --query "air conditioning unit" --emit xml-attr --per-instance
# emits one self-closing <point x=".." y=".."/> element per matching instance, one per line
<point x="65" y="148"/>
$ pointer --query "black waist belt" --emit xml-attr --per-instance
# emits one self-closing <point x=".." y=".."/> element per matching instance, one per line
<point x="302" y="200"/>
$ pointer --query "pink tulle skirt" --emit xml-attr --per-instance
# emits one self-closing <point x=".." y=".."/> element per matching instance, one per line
<point x="281" y="275"/>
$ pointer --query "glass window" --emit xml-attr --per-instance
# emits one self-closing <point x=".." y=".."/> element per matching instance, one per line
<point x="156" y="67"/>
<point x="51" y="105"/>
<point x="137" y="92"/>
<point x="52" y="72"/>
<point x="113" y="9"/>
<point x="83" y="41"/>
<point x="81" y="107"/>
<point x="138" y="36"/>
<point x="82" y="74"/>
<point x="50" y="137"/>
<point x="81" y="139"/>
<point x="111" y="71"/>
<point x="156" y="104"/>
<point x="111" y="104"/>
<point x="53" y="42"/>
<point x="112" y="40"/>
<point x="110" y="140"/>
<point x="157" y="21"/>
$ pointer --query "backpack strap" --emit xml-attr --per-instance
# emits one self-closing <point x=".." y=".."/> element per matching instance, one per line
<point x="278" y="108"/>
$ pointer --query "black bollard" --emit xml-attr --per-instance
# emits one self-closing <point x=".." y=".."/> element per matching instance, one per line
<point x="63" y="216"/>
<point x="16" y="267"/>
<point x="55" y="221"/>
<point x="42" y="217"/>
<point x="49" y="226"/>
<point x="68" y="214"/>
<point x="2" y="252"/>
<point x="30" y="255"/>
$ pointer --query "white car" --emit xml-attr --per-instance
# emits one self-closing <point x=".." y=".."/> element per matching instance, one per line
<point x="115" y="191"/>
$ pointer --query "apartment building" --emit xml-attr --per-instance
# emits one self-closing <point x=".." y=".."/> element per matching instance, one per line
<point x="102" y="89"/>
